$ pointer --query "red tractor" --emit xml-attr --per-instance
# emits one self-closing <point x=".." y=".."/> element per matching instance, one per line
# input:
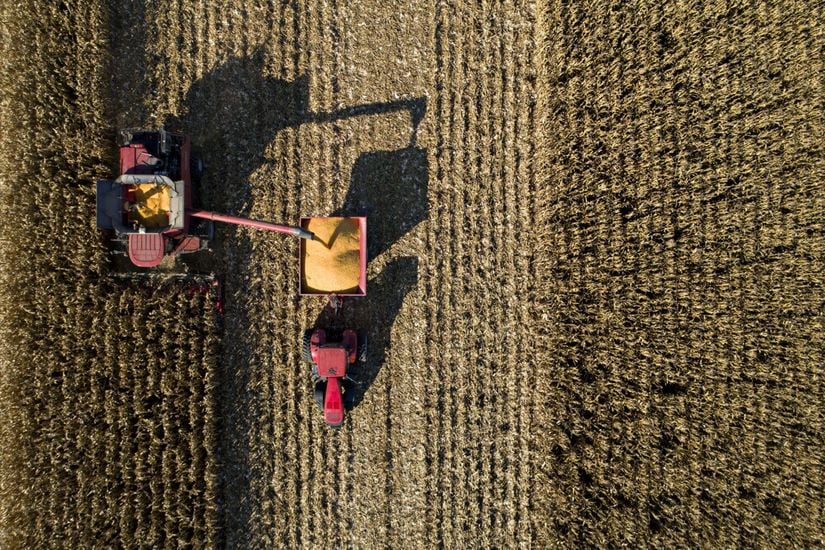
<point x="332" y="388"/>
<point x="150" y="206"/>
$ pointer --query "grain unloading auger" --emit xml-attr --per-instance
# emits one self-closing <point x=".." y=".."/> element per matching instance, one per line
<point x="150" y="204"/>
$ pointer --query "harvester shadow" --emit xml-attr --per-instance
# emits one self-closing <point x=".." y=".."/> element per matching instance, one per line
<point x="233" y="113"/>
<point x="373" y="319"/>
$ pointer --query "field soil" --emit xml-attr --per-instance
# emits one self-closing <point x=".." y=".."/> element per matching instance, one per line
<point x="596" y="279"/>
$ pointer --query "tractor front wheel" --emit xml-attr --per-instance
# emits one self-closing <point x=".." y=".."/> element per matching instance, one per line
<point x="306" y="346"/>
<point x="362" y="349"/>
<point x="349" y="397"/>
<point x="318" y="393"/>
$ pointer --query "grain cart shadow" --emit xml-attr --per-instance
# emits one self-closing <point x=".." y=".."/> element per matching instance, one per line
<point x="374" y="319"/>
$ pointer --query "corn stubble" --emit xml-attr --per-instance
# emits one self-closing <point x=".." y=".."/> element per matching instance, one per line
<point x="611" y="332"/>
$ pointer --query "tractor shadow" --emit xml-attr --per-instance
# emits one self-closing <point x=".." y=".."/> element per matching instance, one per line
<point x="373" y="318"/>
<point x="390" y="188"/>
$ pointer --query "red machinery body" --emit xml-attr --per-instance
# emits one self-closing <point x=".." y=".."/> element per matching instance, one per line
<point x="329" y="368"/>
<point x="331" y="351"/>
<point x="159" y="163"/>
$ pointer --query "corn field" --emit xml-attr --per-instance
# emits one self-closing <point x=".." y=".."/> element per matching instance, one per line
<point x="596" y="287"/>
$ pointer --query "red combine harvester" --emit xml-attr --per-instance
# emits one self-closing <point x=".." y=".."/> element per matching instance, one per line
<point x="150" y="205"/>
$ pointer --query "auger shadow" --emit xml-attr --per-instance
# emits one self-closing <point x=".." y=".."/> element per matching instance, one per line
<point x="235" y="111"/>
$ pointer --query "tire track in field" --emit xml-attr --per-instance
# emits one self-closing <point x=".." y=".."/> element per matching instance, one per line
<point x="289" y="462"/>
<point x="434" y="406"/>
<point x="481" y="234"/>
<point x="443" y="293"/>
<point x="298" y="31"/>
<point x="521" y="347"/>
<point x="452" y="356"/>
<point x="284" y="371"/>
<point x="463" y="470"/>
<point x="490" y="230"/>
<point x="504" y="184"/>
<point x="307" y="54"/>
<point x="470" y="387"/>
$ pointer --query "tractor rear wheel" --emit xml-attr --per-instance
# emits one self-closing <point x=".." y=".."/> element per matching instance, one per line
<point x="362" y="349"/>
<point x="306" y="346"/>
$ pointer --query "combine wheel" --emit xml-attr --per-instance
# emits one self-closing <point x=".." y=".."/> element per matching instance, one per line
<point x="306" y="346"/>
<point x="196" y="168"/>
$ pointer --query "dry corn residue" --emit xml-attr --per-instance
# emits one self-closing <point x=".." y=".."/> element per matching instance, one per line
<point x="152" y="204"/>
<point x="331" y="259"/>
